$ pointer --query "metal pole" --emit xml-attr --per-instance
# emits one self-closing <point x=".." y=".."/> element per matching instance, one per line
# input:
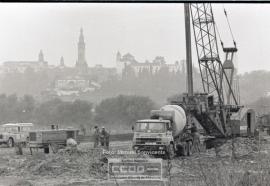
<point x="188" y="51"/>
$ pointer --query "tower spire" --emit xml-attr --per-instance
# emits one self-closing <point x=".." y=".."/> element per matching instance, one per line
<point x="81" y="38"/>
<point x="118" y="56"/>
<point x="62" y="62"/>
<point x="40" y="56"/>
<point x="81" y="63"/>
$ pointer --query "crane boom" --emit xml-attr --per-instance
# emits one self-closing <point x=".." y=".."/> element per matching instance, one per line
<point x="212" y="72"/>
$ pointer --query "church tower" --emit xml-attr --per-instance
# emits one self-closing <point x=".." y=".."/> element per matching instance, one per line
<point x="118" y="56"/>
<point x="81" y="63"/>
<point x="62" y="62"/>
<point x="40" y="56"/>
<point x="119" y="63"/>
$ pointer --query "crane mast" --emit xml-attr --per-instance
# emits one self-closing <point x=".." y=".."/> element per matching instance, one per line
<point x="188" y="50"/>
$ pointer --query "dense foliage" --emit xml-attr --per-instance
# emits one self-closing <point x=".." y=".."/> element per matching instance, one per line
<point x="158" y="86"/>
<point x="27" y="109"/>
<point x="120" y="111"/>
<point x="261" y="105"/>
<point x="254" y="85"/>
<point x="123" y="110"/>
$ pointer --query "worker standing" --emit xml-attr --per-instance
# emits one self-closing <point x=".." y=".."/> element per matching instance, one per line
<point x="104" y="138"/>
<point x="83" y="129"/>
<point x="196" y="138"/>
<point x="96" y="137"/>
<point x="107" y="140"/>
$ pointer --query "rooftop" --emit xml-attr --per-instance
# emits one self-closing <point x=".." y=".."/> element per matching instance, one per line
<point x="18" y="125"/>
<point x="152" y="121"/>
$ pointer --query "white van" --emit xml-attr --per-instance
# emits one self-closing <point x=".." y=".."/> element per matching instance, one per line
<point x="12" y="133"/>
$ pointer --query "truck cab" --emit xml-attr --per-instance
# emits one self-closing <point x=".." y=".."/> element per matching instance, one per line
<point x="152" y="136"/>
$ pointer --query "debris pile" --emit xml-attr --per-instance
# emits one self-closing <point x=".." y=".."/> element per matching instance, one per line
<point x="249" y="165"/>
<point x="83" y="162"/>
<point x="235" y="148"/>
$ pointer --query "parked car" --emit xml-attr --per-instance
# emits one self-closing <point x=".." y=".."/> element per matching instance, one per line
<point x="12" y="133"/>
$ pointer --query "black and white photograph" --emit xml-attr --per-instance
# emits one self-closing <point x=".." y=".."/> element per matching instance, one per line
<point x="134" y="93"/>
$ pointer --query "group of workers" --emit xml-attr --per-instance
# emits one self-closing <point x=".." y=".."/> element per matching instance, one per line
<point x="101" y="137"/>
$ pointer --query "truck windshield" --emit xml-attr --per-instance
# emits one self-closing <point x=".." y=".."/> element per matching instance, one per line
<point x="150" y="127"/>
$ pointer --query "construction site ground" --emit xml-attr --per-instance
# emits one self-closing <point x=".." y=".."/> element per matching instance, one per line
<point x="241" y="161"/>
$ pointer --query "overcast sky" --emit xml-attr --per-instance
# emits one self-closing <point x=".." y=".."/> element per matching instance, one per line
<point x="144" y="30"/>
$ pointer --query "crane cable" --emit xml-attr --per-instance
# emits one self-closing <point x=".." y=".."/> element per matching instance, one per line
<point x="221" y="42"/>
<point x="228" y="22"/>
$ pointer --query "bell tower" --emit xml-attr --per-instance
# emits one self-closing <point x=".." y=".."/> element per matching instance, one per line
<point x="40" y="56"/>
<point x="81" y="63"/>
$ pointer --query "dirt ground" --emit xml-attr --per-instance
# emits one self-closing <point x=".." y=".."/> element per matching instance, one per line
<point x="241" y="161"/>
<point x="67" y="167"/>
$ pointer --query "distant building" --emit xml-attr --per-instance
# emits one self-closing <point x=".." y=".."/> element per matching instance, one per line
<point x="81" y="79"/>
<point x="122" y="62"/>
<point x="71" y="83"/>
<point x="74" y="85"/>
<point x="62" y="62"/>
<point x="22" y="66"/>
<point x="81" y="63"/>
<point x="128" y="60"/>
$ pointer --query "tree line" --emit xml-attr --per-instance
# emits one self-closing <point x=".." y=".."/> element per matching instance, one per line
<point x="261" y="105"/>
<point x="121" y="111"/>
<point x="157" y="86"/>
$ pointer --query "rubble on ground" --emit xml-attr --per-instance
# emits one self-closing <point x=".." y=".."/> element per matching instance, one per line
<point x="237" y="147"/>
<point x="246" y="163"/>
<point x="83" y="162"/>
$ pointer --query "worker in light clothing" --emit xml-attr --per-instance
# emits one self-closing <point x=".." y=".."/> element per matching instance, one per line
<point x="104" y="138"/>
<point x="96" y="137"/>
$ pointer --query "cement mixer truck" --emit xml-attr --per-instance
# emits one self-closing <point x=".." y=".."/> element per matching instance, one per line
<point x="165" y="133"/>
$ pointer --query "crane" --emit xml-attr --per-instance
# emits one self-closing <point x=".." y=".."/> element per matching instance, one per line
<point x="212" y="108"/>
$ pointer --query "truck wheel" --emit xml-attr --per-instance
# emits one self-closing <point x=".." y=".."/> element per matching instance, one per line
<point x="10" y="142"/>
<point x="46" y="150"/>
<point x="189" y="148"/>
<point x="170" y="152"/>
